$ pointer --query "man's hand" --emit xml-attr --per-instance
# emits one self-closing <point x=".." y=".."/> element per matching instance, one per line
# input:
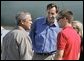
<point x="59" y="55"/>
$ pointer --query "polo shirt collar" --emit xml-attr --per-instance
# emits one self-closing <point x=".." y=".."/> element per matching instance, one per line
<point x="45" y="22"/>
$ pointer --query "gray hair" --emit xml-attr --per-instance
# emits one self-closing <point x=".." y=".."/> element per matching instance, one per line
<point x="79" y="26"/>
<point x="22" y="16"/>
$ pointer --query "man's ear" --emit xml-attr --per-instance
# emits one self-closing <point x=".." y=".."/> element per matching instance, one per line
<point x="22" y="22"/>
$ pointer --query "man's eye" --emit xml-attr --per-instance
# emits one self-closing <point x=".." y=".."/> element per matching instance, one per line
<point x="52" y="13"/>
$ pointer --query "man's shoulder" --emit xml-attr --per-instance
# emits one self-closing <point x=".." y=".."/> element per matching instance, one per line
<point x="40" y="19"/>
<point x="62" y="31"/>
<point x="17" y="31"/>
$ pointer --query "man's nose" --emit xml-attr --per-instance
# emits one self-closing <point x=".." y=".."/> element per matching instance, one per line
<point x="30" y="22"/>
<point x="50" y="15"/>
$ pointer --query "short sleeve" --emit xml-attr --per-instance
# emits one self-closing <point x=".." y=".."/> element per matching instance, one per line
<point x="61" y="41"/>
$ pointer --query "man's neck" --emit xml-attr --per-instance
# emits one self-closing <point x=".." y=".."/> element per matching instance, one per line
<point x="51" y="23"/>
<point x="67" y="24"/>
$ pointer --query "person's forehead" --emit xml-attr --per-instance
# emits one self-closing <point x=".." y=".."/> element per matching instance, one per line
<point x="52" y="9"/>
<point x="28" y="17"/>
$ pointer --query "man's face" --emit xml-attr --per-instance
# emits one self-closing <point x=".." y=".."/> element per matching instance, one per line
<point x="28" y="22"/>
<point x="51" y="14"/>
<point x="61" y="21"/>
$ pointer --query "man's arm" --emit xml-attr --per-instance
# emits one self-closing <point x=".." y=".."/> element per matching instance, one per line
<point x="59" y="55"/>
<point x="78" y="55"/>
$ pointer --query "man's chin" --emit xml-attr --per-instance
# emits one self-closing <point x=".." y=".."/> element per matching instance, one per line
<point x="60" y="26"/>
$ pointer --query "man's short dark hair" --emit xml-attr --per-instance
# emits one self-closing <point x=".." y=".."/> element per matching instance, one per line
<point x="66" y="13"/>
<point x="51" y="5"/>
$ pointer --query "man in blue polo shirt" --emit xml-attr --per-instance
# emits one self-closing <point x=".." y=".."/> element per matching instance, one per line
<point x="44" y="34"/>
